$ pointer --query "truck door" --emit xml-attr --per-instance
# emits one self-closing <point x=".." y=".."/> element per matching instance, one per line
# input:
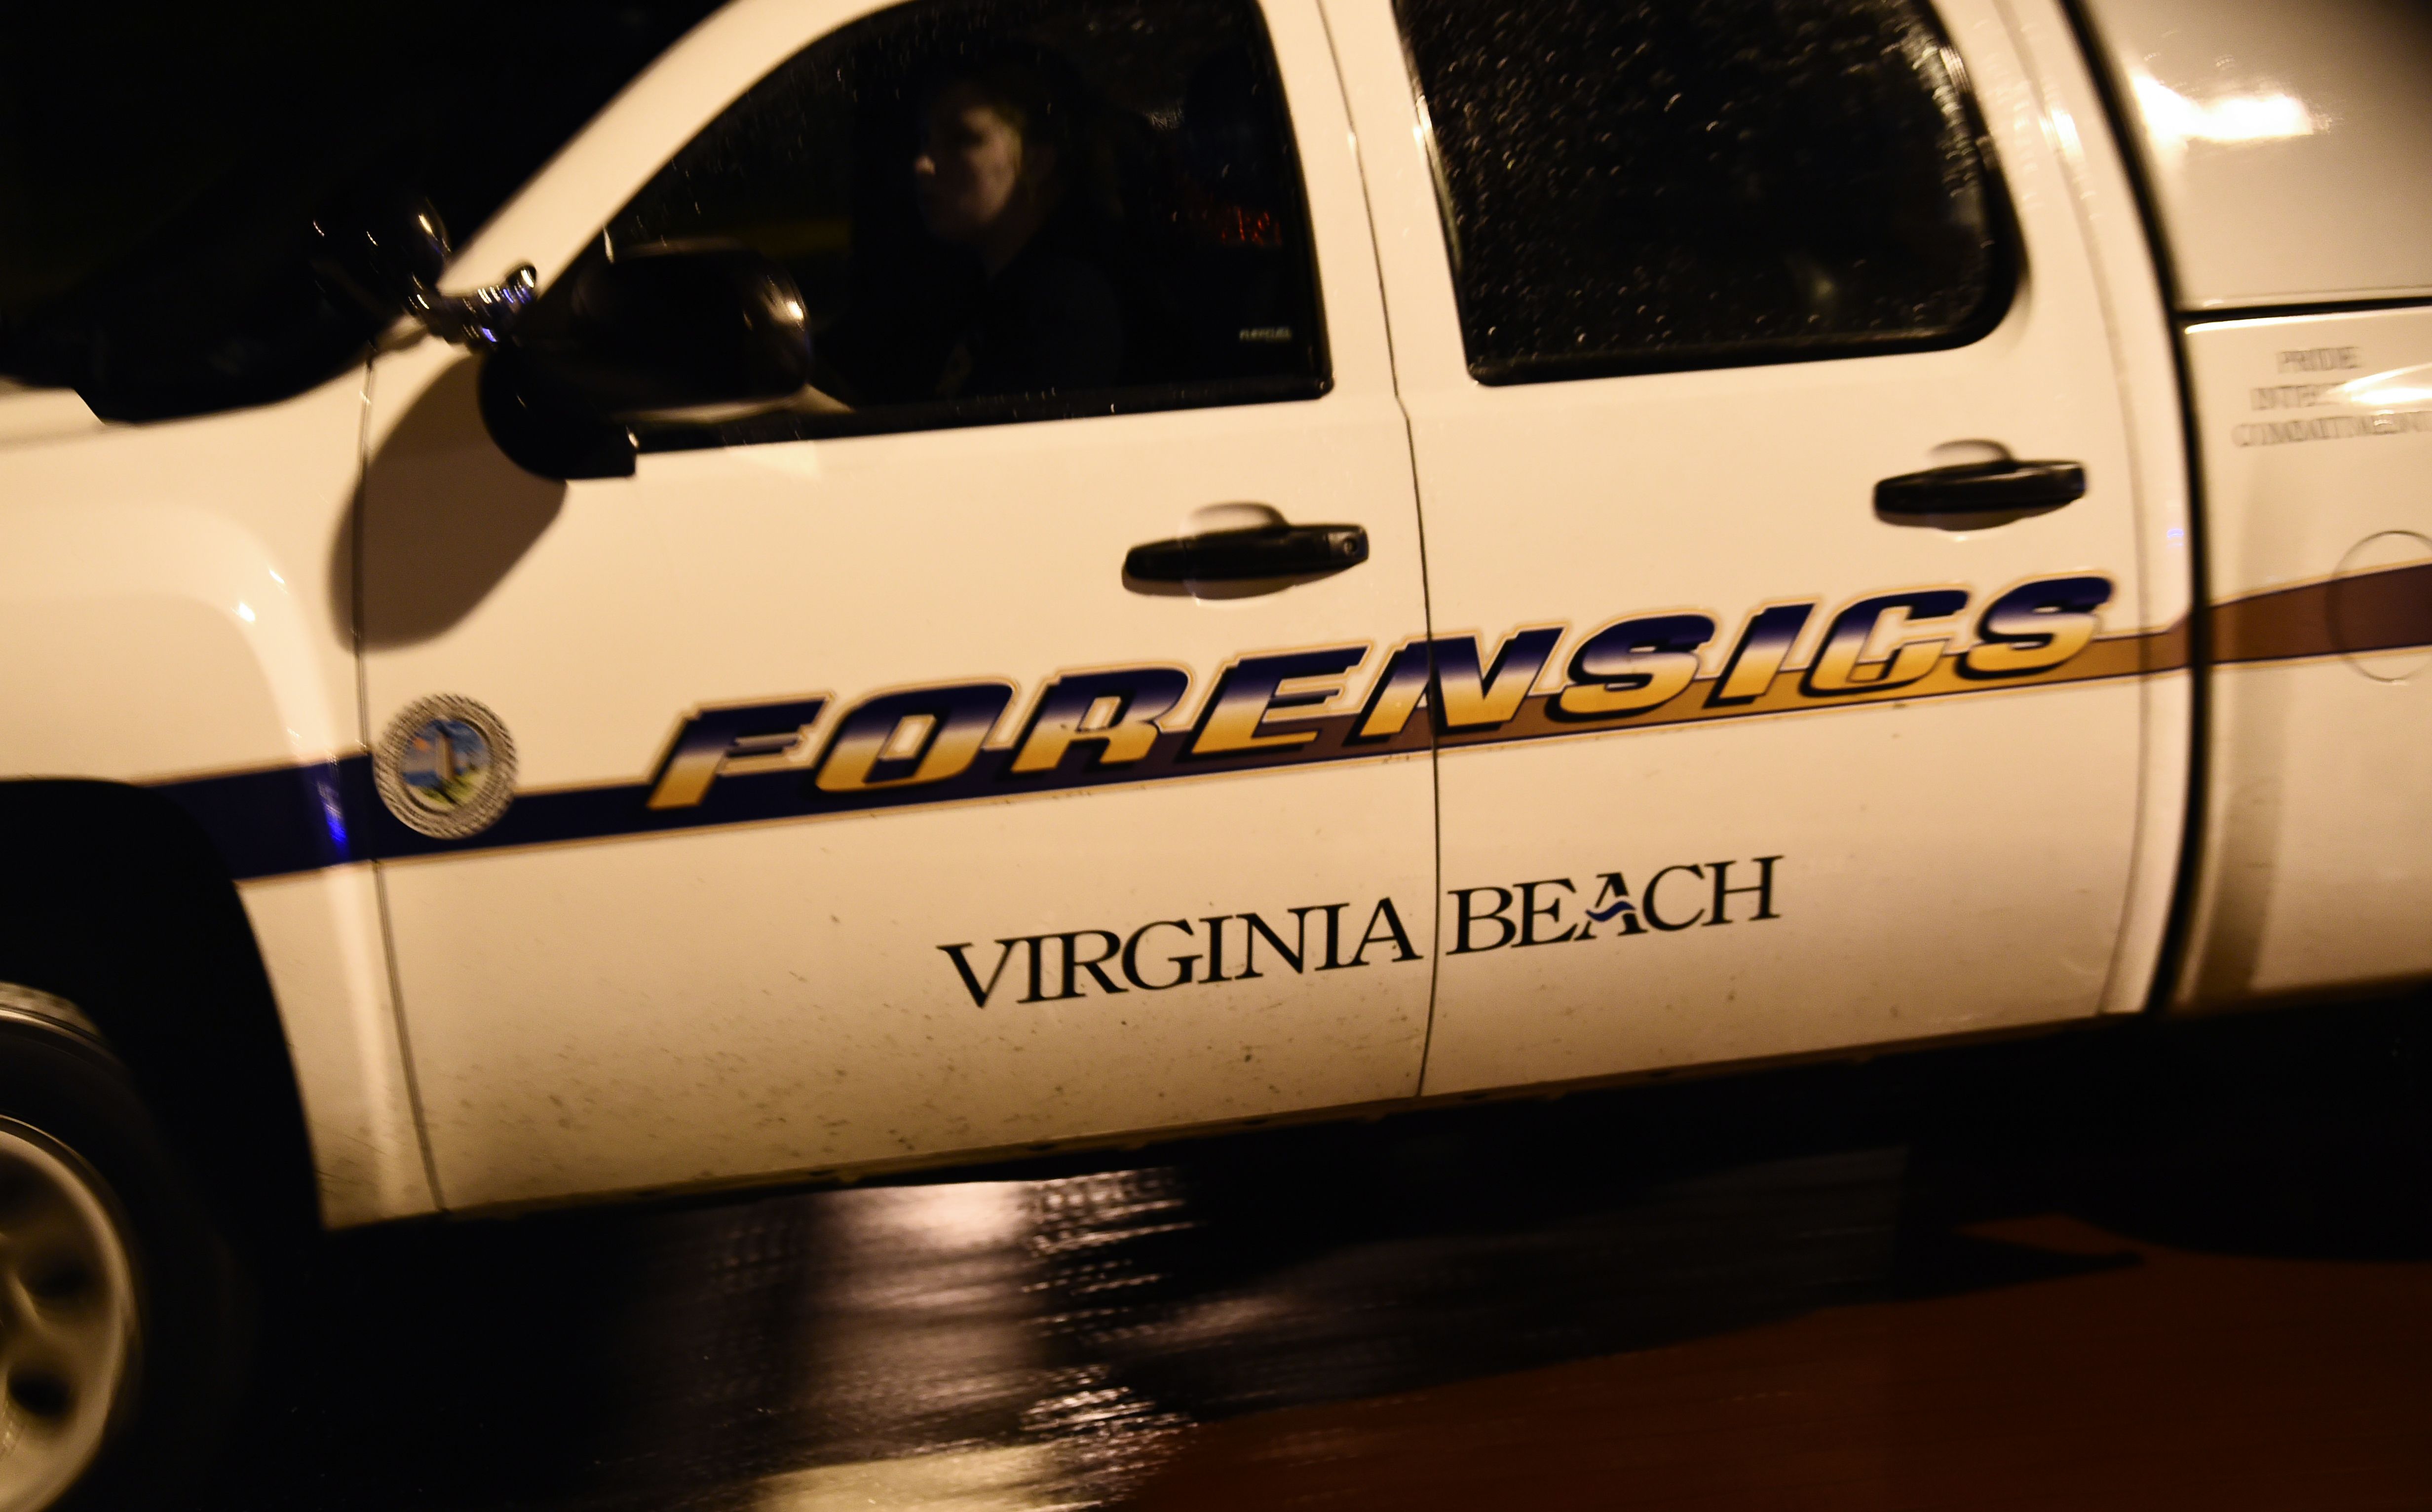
<point x="1782" y="539"/>
<point x="865" y="804"/>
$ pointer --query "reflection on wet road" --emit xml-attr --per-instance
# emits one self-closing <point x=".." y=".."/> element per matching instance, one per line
<point x="2138" y="1268"/>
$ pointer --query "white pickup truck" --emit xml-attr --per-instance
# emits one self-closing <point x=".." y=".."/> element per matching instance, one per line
<point x="951" y="578"/>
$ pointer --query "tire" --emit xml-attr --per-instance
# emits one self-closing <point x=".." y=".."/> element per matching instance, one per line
<point x="124" y="1321"/>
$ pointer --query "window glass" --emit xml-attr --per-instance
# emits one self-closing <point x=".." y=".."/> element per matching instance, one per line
<point x="1631" y="185"/>
<point x="1007" y="210"/>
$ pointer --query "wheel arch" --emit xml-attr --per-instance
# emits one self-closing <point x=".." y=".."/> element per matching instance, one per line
<point x="114" y="899"/>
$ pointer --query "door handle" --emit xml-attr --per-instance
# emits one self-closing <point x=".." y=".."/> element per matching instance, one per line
<point x="1976" y="492"/>
<point x="1263" y="551"/>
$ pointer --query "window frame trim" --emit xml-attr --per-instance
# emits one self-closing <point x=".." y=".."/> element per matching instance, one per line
<point x="778" y="425"/>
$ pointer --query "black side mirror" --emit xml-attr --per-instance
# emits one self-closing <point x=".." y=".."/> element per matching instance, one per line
<point x="385" y="250"/>
<point x="380" y="248"/>
<point x="661" y="330"/>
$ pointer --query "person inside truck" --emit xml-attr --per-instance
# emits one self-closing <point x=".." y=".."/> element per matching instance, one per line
<point x="1006" y="170"/>
<point x="1002" y="171"/>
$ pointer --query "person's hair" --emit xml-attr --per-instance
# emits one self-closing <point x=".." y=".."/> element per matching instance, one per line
<point x="1049" y="106"/>
<point x="1018" y="90"/>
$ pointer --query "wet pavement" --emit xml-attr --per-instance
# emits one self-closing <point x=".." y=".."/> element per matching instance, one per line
<point x="2149" y="1266"/>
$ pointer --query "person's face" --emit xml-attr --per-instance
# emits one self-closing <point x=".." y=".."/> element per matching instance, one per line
<point x="969" y="171"/>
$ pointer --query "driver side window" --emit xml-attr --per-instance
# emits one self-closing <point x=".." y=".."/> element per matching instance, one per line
<point x="1011" y="211"/>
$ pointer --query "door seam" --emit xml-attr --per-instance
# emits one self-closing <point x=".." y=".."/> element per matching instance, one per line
<point x="380" y="868"/>
<point x="1419" y="517"/>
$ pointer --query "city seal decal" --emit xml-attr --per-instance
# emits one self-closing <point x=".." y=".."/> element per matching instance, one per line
<point x="445" y="767"/>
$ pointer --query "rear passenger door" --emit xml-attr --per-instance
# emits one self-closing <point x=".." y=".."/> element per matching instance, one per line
<point x="866" y="807"/>
<point x="1743" y="755"/>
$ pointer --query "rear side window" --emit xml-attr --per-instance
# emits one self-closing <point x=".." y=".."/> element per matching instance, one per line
<point x="1629" y="186"/>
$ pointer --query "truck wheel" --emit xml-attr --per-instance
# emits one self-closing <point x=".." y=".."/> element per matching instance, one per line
<point x="120" y="1321"/>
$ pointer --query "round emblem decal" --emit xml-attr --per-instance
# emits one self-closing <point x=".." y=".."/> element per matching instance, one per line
<point x="447" y="768"/>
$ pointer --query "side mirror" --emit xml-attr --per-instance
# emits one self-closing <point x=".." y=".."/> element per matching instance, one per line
<point x="659" y="331"/>
<point x="381" y="248"/>
<point x="384" y="251"/>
